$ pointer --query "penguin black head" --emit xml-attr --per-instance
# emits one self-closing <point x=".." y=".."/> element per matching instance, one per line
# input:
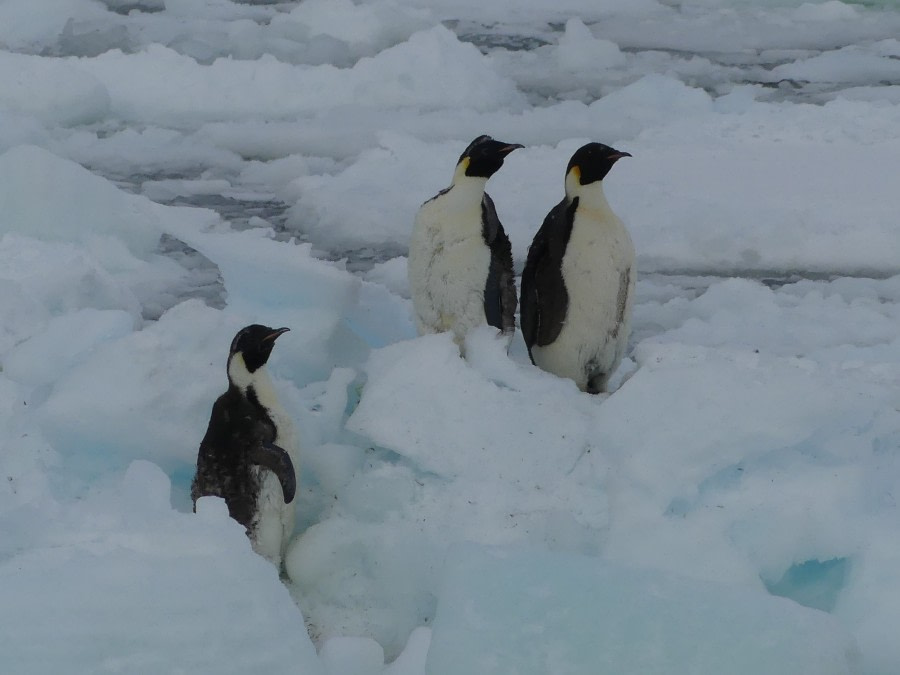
<point x="484" y="156"/>
<point x="255" y="344"/>
<point x="593" y="161"/>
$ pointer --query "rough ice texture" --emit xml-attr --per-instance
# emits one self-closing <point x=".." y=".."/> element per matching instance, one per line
<point x="146" y="86"/>
<point x="55" y="199"/>
<point x="521" y="613"/>
<point x="140" y="587"/>
<point x="755" y="419"/>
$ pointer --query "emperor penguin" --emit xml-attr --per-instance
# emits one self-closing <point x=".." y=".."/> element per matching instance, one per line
<point x="578" y="281"/>
<point x="248" y="455"/>
<point x="460" y="259"/>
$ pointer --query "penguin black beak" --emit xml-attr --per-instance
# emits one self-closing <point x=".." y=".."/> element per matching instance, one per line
<point x="275" y="333"/>
<point x="619" y="154"/>
<point x="506" y="149"/>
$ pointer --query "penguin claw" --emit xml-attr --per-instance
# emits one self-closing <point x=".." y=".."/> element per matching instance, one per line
<point x="277" y="460"/>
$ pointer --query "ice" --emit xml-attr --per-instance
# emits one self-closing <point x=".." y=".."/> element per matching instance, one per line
<point x="526" y="612"/>
<point x="20" y="129"/>
<point x="851" y="64"/>
<point x="144" y="87"/>
<point x="169" y="190"/>
<point x="138" y="586"/>
<point x="54" y="199"/>
<point x="173" y="171"/>
<point x="352" y="656"/>
<point x="347" y="30"/>
<point x="51" y="91"/>
<point x="159" y="152"/>
<point x="579" y="50"/>
<point x="412" y="660"/>
<point x="65" y="340"/>
<point x="832" y="10"/>
<point x="24" y="25"/>
<point x="283" y="284"/>
<point x="338" y="223"/>
<point x="498" y="415"/>
<point x="392" y="275"/>
<point x="146" y="394"/>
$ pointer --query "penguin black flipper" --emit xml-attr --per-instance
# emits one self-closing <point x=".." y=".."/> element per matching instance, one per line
<point x="223" y="468"/>
<point x="500" y="287"/>
<point x="278" y="461"/>
<point x="544" y="312"/>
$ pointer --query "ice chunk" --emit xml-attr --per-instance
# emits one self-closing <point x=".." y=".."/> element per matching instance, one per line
<point x="51" y="90"/>
<point x="358" y="30"/>
<point x="25" y="26"/>
<point x="19" y="128"/>
<point x="145" y="486"/>
<point x="579" y="50"/>
<point x="521" y="612"/>
<point x="146" y="395"/>
<point x="392" y="275"/>
<point x="41" y="280"/>
<point x="282" y="284"/>
<point x="855" y="65"/>
<point x="430" y="71"/>
<point x="333" y="465"/>
<point x="66" y="340"/>
<point x="480" y="449"/>
<point x="831" y="10"/>
<point x="477" y="433"/>
<point x="138" y="587"/>
<point x="654" y="99"/>
<point x="56" y="199"/>
<point x="357" y="208"/>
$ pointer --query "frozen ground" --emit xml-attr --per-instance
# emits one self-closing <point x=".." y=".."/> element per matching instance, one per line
<point x="171" y="170"/>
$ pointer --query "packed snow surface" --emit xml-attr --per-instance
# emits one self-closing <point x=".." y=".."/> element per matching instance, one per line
<point x="173" y="170"/>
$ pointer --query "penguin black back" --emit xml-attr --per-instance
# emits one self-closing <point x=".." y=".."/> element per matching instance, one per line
<point x="545" y="300"/>
<point x="500" y="286"/>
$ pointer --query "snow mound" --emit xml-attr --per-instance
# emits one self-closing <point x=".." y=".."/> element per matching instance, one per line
<point x="52" y="91"/>
<point x="518" y="613"/>
<point x="51" y="198"/>
<point x="138" y="587"/>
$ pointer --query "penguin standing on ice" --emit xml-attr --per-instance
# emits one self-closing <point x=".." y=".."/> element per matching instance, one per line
<point x="247" y="455"/>
<point x="578" y="282"/>
<point x="460" y="259"/>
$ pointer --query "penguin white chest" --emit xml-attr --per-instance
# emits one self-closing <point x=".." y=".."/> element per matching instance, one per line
<point x="598" y="270"/>
<point x="273" y="521"/>
<point x="448" y="266"/>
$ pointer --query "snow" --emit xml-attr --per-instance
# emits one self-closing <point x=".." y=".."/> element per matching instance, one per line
<point x="54" y="92"/>
<point x="139" y="586"/>
<point x="173" y="171"/>
<point x="643" y="626"/>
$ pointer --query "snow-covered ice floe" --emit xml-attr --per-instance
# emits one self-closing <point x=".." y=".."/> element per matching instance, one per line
<point x="575" y="614"/>
<point x="171" y="171"/>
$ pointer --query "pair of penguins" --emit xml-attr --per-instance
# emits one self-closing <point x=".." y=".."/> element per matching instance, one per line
<point x="577" y="290"/>
<point x="578" y="281"/>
